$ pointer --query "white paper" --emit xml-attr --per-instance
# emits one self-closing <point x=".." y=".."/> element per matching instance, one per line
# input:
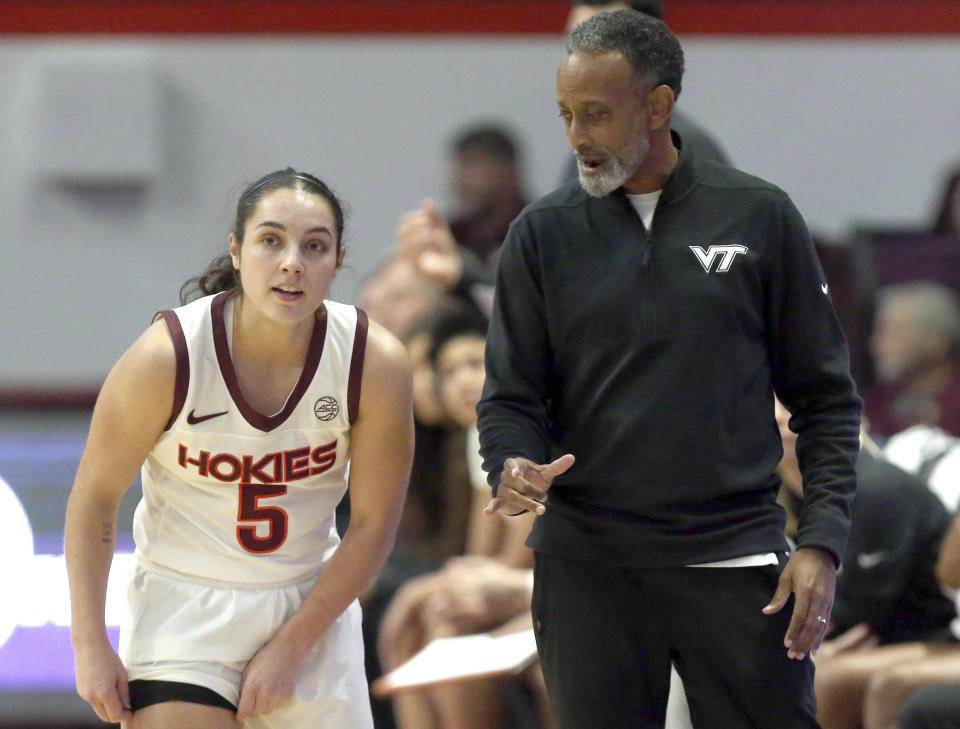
<point x="462" y="657"/>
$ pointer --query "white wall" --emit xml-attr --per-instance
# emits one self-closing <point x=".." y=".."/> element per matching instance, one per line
<point x="856" y="131"/>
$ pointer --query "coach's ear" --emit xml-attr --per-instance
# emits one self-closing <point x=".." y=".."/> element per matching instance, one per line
<point x="660" y="106"/>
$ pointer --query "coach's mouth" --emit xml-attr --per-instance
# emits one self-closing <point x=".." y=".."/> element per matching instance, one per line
<point x="590" y="165"/>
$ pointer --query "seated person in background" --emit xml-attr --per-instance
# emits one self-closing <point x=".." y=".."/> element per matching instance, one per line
<point x="433" y="525"/>
<point x="456" y="354"/>
<point x="867" y="688"/>
<point x="416" y="614"/>
<point x="936" y="705"/>
<point x="915" y="347"/>
<point x="397" y="295"/>
<point x="948" y="215"/>
<point x="460" y="255"/>
<point x="887" y="586"/>
<point x="933" y="455"/>
<point x="888" y="589"/>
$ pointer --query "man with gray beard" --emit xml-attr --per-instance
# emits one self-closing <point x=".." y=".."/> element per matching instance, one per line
<point x="644" y="316"/>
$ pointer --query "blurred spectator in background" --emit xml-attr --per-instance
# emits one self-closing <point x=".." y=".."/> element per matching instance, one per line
<point x="397" y="296"/>
<point x="438" y="264"/>
<point x="460" y="253"/>
<point x="487" y="187"/>
<point x="420" y="609"/>
<point x="932" y="707"/>
<point x="869" y="688"/>
<point x="691" y="133"/>
<point x="887" y="581"/>
<point x="434" y="523"/>
<point x="915" y="346"/>
<point x="948" y="215"/>
<point x="887" y="587"/>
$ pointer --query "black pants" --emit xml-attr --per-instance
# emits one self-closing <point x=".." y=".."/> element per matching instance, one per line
<point x="607" y="635"/>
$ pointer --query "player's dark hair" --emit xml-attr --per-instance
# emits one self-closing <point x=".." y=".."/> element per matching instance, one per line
<point x="650" y="7"/>
<point x="220" y="275"/>
<point x="647" y="43"/>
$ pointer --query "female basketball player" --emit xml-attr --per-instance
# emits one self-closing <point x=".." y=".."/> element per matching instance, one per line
<point x="244" y="409"/>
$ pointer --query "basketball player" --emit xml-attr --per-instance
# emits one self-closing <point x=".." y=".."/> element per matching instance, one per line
<point x="244" y="409"/>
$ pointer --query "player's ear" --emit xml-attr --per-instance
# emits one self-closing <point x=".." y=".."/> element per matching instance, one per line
<point x="235" y="251"/>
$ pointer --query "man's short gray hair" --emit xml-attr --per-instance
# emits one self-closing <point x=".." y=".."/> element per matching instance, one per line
<point x="647" y="43"/>
<point x="934" y="306"/>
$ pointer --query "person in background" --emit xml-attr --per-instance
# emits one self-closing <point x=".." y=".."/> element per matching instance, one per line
<point x="644" y="316"/>
<point x="399" y="297"/>
<point x="887" y="581"/>
<point x="460" y="253"/>
<point x="877" y="684"/>
<point x="416" y="614"/>
<point x="932" y="707"/>
<point x="249" y="412"/>
<point x="915" y="347"/>
<point x="947" y="221"/>
<point x="434" y="524"/>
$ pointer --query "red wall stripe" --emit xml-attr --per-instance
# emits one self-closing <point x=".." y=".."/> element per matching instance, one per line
<point x="497" y="17"/>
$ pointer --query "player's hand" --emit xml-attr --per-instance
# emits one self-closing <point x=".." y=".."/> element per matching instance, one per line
<point x="811" y="575"/>
<point x="102" y="682"/>
<point x="268" y="681"/>
<point x="425" y="239"/>
<point x="524" y="485"/>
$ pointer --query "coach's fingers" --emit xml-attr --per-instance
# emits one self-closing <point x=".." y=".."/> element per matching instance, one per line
<point x="513" y="504"/>
<point x="779" y="599"/>
<point x="525" y="478"/>
<point x="554" y="469"/>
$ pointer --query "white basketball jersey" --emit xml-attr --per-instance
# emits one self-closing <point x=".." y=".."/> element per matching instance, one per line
<point x="234" y="496"/>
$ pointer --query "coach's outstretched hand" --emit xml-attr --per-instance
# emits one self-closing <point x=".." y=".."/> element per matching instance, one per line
<point x="811" y="575"/>
<point x="524" y="485"/>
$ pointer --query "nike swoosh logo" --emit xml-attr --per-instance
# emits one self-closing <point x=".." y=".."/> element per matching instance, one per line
<point x="193" y="419"/>
<point x="868" y="560"/>
<point x="824" y="288"/>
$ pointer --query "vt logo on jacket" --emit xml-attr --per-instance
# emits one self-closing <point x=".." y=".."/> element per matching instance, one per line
<point x="726" y="253"/>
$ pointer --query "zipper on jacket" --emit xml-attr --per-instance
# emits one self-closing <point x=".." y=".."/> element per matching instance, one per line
<point x="648" y="303"/>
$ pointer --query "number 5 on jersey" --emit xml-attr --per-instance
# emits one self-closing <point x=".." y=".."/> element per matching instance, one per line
<point x="250" y="509"/>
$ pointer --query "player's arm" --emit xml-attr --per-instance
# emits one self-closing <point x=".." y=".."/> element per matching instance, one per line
<point x="381" y="445"/>
<point x="131" y="412"/>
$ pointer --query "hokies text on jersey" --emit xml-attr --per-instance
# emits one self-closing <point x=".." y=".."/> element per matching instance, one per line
<point x="279" y="467"/>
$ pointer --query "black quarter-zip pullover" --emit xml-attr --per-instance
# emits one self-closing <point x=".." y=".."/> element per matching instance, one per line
<point x="653" y="358"/>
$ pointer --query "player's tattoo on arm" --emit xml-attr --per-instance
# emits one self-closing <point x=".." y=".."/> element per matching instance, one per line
<point x="106" y="532"/>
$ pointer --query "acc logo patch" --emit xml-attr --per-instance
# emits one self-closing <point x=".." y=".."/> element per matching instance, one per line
<point x="326" y="408"/>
